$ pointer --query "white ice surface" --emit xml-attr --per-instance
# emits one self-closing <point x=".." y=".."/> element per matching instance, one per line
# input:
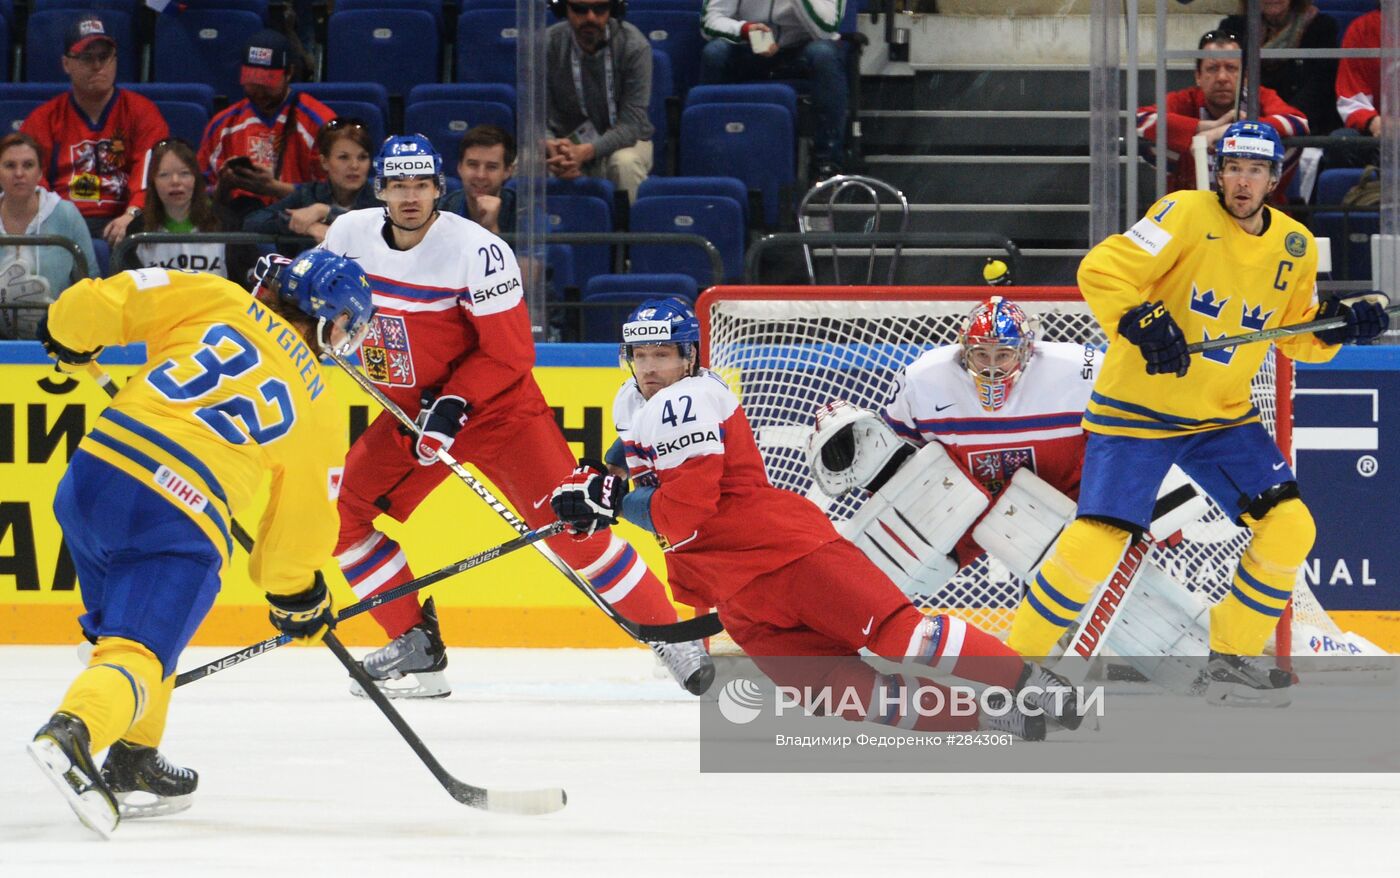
<point x="298" y="778"/>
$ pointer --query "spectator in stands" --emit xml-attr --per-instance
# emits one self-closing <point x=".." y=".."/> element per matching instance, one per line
<point x="345" y="147"/>
<point x="1305" y="84"/>
<point x="784" y="39"/>
<point x="33" y="275"/>
<point x="179" y="203"/>
<point x="485" y="161"/>
<point x="96" y="136"/>
<point x="260" y="148"/>
<point x="597" y="88"/>
<point x="1208" y="108"/>
<point x="1359" y="79"/>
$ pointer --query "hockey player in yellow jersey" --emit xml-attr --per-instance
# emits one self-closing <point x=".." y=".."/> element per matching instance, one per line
<point x="232" y="393"/>
<point x="1199" y="265"/>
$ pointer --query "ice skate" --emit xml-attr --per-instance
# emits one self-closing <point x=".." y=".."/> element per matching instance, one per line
<point x="61" y="748"/>
<point x="1052" y="694"/>
<point x="412" y="665"/>
<point x="1013" y="720"/>
<point x="145" y="783"/>
<point x="688" y="663"/>
<point x="1241" y="681"/>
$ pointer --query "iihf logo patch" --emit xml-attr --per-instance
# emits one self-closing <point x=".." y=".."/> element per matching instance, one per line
<point x="1206" y="303"/>
<point x="386" y="354"/>
<point x="1252" y="319"/>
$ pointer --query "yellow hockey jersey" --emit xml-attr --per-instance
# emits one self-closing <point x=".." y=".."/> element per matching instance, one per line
<point x="1217" y="280"/>
<point x="229" y="395"/>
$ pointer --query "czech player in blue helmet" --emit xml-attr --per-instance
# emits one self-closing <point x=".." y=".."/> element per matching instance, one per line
<point x="662" y="321"/>
<point x="409" y="179"/>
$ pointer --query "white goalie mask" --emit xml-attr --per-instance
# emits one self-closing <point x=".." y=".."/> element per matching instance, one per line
<point x="848" y="447"/>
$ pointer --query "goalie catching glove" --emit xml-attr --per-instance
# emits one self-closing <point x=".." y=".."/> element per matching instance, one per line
<point x="589" y="498"/>
<point x="438" y="423"/>
<point x="305" y="616"/>
<point x="851" y="448"/>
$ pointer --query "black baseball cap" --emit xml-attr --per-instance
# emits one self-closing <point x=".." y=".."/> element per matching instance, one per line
<point x="266" y="59"/>
<point x="84" y="32"/>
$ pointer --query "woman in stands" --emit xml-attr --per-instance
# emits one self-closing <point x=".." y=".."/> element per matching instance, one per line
<point x="33" y="275"/>
<point x="345" y="148"/>
<point x="181" y="205"/>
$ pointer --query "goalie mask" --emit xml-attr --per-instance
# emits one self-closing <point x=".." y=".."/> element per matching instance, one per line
<point x="997" y="342"/>
<point x="849" y="447"/>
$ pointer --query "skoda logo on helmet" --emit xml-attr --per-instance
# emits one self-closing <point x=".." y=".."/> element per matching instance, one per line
<point x="408" y="166"/>
<point x="645" y="330"/>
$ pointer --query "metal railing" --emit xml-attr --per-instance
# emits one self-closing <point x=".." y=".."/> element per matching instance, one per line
<point x="861" y="242"/>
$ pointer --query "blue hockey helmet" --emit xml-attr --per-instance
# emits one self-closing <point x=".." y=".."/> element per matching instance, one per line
<point x="405" y="156"/>
<point x="662" y="321"/>
<point x="325" y="286"/>
<point x="997" y="342"/>
<point x="1251" y="140"/>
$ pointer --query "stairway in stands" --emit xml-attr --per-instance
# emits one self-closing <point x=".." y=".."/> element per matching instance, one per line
<point x="994" y="150"/>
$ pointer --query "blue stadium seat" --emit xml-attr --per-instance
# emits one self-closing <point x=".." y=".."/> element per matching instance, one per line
<point x="676" y="32"/>
<point x="4" y="48"/>
<point x="595" y="187"/>
<point x="499" y="92"/>
<point x="1350" y="232"/>
<point x="204" y="45"/>
<point x="31" y="91"/>
<point x="719" y="220"/>
<point x="398" y="48"/>
<point x="582" y="213"/>
<point x="723" y="187"/>
<point x="13" y="112"/>
<point x="127" y="6"/>
<point x="486" y="42"/>
<point x="604" y="313"/>
<point x="367" y="92"/>
<point x="432" y="7"/>
<point x="662" y="284"/>
<point x="444" y="122"/>
<point x="367" y="113"/>
<point x="559" y="263"/>
<point x="43" y="43"/>
<point x="1344" y="18"/>
<point x="753" y="142"/>
<point x="186" y="120"/>
<point x="187" y="92"/>
<point x="661" y="89"/>
<point x="745" y="93"/>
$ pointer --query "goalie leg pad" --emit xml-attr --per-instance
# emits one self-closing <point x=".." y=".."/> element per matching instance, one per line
<point x="1161" y="630"/>
<point x="1022" y="525"/>
<point x="911" y="524"/>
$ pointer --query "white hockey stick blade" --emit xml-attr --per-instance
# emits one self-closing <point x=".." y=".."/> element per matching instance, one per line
<point x="528" y="803"/>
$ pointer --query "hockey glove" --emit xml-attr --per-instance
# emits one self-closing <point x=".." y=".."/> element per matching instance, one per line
<point x="1152" y="328"/>
<point x="307" y="615"/>
<point x="589" y="498"/>
<point x="1365" y="319"/>
<point x="67" y="357"/>
<point x="438" y="423"/>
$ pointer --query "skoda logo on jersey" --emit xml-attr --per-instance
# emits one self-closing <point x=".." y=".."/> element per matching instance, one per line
<point x="646" y="330"/>
<point x="665" y="448"/>
<point x="408" y="166"/>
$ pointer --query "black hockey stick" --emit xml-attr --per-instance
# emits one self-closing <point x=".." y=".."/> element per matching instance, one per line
<point x="1216" y="344"/>
<point x="677" y="632"/>
<point x="369" y="603"/>
<point x="525" y="802"/>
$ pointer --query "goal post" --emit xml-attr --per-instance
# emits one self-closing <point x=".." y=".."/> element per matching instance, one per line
<point x="784" y="350"/>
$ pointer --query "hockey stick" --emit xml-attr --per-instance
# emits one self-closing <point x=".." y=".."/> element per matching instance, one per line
<point x="1102" y="611"/>
<point x="525" y="802"/>
<point x="676" y="632"/>
<point x="1216" y="344"/>
<point x="377" y="600"/>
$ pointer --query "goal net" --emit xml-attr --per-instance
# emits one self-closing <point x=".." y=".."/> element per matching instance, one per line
<point x="786" y="350"/>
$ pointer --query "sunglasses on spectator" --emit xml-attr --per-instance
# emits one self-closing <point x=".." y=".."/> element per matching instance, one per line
<point x="1217" y="36"/>
<point x="598" y="9"/>
<point x="171" y="141"/>
<point x="340" y="122"/>
<point x="93" y="59"/>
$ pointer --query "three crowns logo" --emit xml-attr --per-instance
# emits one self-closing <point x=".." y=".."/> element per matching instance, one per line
<point x="1250" y="318"/>
<point x="1206" y="303"/>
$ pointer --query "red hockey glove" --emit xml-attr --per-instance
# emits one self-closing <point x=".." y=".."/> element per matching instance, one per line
<point x="589" y="498"/>
<point x="438" y="425"/>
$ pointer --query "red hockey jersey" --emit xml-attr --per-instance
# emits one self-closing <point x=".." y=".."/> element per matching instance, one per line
<point x="100" y="167"/>
<point x="723" y="523"/>
<point x="1359" y="79"/>
<point x="241" y="130"/>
